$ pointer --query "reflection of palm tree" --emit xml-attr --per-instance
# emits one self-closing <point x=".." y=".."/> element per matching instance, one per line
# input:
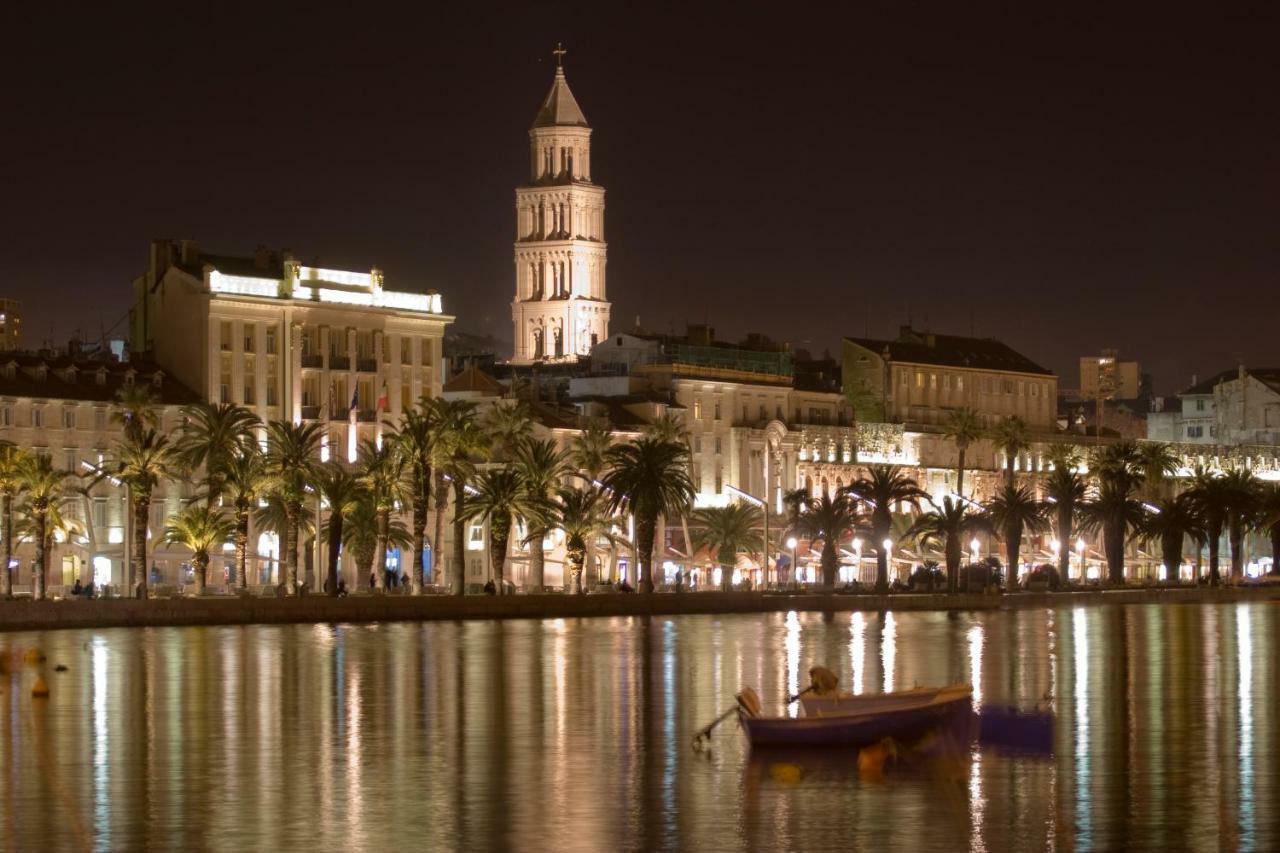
<point x="650" y="478"/>
<point x="963" y="427"/>
<point x="950" y="524"/>
<point x="200" y="528"/>
<point x="44" y="489"/>
<point x="884" y="487"/>
<point x="541" y="467"/>
<point x="12" y="462"/>
<point x="829" y="518"/>
<point x="291" y="463"/>
<point x="1168" y="524"/>
<point x="499" y="497"/>
<point x="143" y="459"/>
<point x="727" y="530"/>
<point x="1012" y="511"/>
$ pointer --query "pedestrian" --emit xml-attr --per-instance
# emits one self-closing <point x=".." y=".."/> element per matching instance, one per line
<point x="77" y="588"/>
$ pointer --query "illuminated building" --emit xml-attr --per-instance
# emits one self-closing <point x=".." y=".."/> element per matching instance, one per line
<point x="10" y="325"/>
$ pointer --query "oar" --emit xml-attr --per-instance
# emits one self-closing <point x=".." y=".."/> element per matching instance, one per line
<point x="704" y="734"/>
<point x="791" y="699"/>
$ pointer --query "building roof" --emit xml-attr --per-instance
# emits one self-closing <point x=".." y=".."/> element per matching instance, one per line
<point x="66" y="378"/>
<point x="560" y="109"/>
<point x="952" y="351"/>
<point x="1269" y="376"/>
<point x="473" y="379"/>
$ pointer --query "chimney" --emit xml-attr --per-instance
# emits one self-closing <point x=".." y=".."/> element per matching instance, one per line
<point x="188" y="251"/>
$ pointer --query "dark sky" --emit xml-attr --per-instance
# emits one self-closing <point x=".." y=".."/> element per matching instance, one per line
<point x="1065" y="179"/>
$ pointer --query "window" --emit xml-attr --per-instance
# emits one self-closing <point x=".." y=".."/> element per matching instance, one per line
<point x="250" y="388"/>
<point x="933" y="382"/>
<point x="744" y="411"/>
<point x="224" y="335"/>
<point x="695" y="473"/>
<point x="719" y="481"/>
<point x="406" y="351"/>
<point x="778" y="413"/>
<point x="99" y="419"/>
<point x="697" y="410"/>
<point x="271" y="340"/>
<point x="37" y="416"/>
<point x="68" y="417"/>
<point x="763" y="414"/>
<point x="959" y="383"/>
<point x="99" y="512"/>
<point x="272" y="391"/>
<point x="717" y="411"/>
<point x="1007" y="386"/>
<point x="310" y="342"/>
<point x="424" y="347"/>
<point x="6" y="416"/>
<point x="1021" y="388"/>
<point x="1195" y="431"/>
<point x="717" y="444"/>
<point x="919" y="379"/>
<point x="902" y="378"/>
<point x="1213" y="432"/>
<point x="475" y="538"/>
<point x="1199" y="405"/>
<point x="406" y="391"/>
<point x="250" y="337"/>
<point x="697" y="444"/>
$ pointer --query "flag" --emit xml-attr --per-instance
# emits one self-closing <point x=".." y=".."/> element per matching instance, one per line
<point x="383" y="402"/>
<point x="355" y="399"/>
<point x="333" y="399"/>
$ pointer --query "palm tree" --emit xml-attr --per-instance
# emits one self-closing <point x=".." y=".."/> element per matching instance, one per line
<point x="200" y="528"/>
<point x="1168" y="523"/>
<point x="359" y="526"/>
<point x="415" y="442"/>
<point x="292" y="451"/>
<point x="212" y="435"/>
<point x="243" y="479"/>
<point x="460" y="440"/>
<point x="590" y="449"/>
<point x="950" y="524"/>
<point x="342" y="490"/>
<point x="541" y="467"/>
<point x="1012" y="436"/>
<point x="44" y="489"/>
<point x="143" y="459"/>
<point x="12" y="463"/>
<point x="1060" y="455"/>
<point x="650" y="478"/>
<point x="1210" y="498"/>
<point x="135" y="409"/>
<point x="1012" y="511"/>
<point x="1156" y="462"/>
<point x="830" y="518"/>
<point x="272" y="516"/>
<point x="885" y="487"/>
<point x="1242" y="489"/>
<point x="499" y="497"/>
<point x="1269" y="519"/>
<point x="583" y="515"/>
<point x="383" y="473"/>
<point x="666" y="427"/>
<point x="727" y="530"/>
<point x="1119" y="464"/>
<point x="962" y="426"/>
<point x="508" y="423"/>
<point x="1114" y="512"/>
<point x="1064" y="492"/>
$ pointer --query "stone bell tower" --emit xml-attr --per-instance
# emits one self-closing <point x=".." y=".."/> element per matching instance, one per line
<point x="560" y="310"/>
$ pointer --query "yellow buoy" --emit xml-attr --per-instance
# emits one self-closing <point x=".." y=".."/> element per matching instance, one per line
<point x="33" y="656"/>
<point x="39" y="690"/>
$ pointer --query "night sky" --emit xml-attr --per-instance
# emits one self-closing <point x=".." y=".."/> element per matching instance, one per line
<point x="1064" y="180"/>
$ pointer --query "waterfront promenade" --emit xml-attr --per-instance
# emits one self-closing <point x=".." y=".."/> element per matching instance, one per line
<point x="226" y="610"/>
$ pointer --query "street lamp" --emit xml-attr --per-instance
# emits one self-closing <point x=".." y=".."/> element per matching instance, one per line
<point x="1080" y="551"/>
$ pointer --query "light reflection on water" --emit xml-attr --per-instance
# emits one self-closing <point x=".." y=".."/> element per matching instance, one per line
<point x="572" y="735"/>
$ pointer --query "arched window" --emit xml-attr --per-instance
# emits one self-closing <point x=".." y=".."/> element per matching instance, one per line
<point x="559" y="342"/>
<point x="537" y="344"/>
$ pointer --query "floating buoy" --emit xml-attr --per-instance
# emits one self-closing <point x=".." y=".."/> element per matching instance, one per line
<point x="786" y="774"/>
<point x="39" y="690"/>
<point x="33" y="656"/>
<point x="62" y="667"/>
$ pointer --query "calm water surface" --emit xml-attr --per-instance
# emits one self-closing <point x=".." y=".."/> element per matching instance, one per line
<point x="572" y="735"/>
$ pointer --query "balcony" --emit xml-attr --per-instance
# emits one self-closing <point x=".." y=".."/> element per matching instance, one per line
<point x="367" y="416"/>
<point x="367" y="365"/>
<point x="313" y="361"/>
<point x="311" y="413"/>
<point x="339" y="362"/>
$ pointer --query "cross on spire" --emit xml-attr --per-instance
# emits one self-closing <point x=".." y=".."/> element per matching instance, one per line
<point x="559" y="53"/>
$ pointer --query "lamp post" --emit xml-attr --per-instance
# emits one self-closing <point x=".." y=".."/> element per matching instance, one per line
<point x="764" y="511"/>
<point x="887" y="544"/>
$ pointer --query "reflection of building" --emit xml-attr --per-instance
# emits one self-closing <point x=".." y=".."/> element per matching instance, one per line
<point x="1236" y="407"/>
<point x="10" y="325"/>
<point x="560" y="311"/>
<point x="289" y="341"/>
<point x="64" y="408"/>
<point x="919" y="377"/>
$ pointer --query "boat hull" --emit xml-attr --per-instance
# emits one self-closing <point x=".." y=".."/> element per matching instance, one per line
<point x="851" y="730"/>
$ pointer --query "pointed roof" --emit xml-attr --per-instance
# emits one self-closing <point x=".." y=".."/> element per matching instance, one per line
<point x="560" y="108"/>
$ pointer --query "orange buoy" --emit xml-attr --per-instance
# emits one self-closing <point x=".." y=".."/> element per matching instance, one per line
<point x="39" y="690"/>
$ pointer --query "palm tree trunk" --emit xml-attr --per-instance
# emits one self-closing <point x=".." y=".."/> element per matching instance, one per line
<point x="420" y="497"/>
<point x="201" y="559"/>
<point x="881" y="531"/>
<point x="141" y="513"/>
<point x="241" y="540"/>
<point x="1275" y="549"/>
<point x="1235" y="534"/>
<point x="646" y="527"/>
<point x="498" y="557"/>
<point x="830" y="563"/>
<point x="953" y="555"/>
<point x="1113" y="541"/>
<point x="1171" y="555"/>
<point x="537" y="562"/>
<point x="459" y="546"/>
<point x="331" y="558"/>
<point x="7" y="590"/>
<point x="441" y="494"/>
<point x="37" y="582"/>
<point x="292" y="515"/>
<point x="1215" y="576"/>
<point x="960" y="451"/>
<point x="688" y="549"/>
<point x="575" y="557"/>
<point x="1064" y="542"/>
<point x="380" y="553"/>
<point x="1012" y="548"/>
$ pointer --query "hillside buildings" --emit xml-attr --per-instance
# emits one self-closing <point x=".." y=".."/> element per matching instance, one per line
<point x="1235" y="408"/>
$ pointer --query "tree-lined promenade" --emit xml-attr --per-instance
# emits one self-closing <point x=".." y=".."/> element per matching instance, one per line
<point x="490" y="469"/>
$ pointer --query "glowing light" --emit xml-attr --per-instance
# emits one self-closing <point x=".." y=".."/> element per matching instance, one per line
<point x="974" y="545"/>
<point x="887" y="544"/>
<point x="792" y="646"/>
<point x="889" y="650"/>
<point x="857" y="649"/>
<point x="791" y="542"/>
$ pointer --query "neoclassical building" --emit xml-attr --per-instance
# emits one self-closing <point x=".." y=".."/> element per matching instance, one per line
<point x="560" y="310"/>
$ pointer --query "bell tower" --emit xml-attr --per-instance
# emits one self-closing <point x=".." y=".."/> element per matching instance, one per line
<point x="560" y="310"/>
